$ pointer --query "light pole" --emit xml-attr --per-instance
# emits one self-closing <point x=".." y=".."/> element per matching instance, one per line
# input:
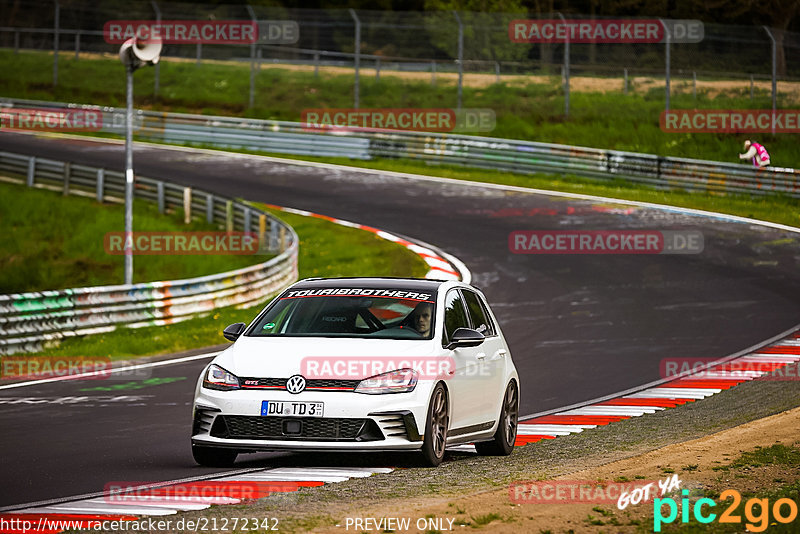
<point x="134" y="53"/>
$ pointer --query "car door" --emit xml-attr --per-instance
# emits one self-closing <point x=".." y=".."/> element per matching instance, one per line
<point x="491" y="356"/>
<point x="466" y="403"/>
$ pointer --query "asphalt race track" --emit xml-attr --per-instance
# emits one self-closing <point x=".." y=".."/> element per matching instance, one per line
<point x="579" y="326"/>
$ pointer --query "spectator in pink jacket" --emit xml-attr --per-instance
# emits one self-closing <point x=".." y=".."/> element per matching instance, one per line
<point x="756" y="152"/>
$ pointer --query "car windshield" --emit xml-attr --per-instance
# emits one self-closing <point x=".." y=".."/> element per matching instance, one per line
<point x="369" y="313"/>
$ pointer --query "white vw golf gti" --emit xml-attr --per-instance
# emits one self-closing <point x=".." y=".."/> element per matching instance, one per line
<point x="362" y="364"/>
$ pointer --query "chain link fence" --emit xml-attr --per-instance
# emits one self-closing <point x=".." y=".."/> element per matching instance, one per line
<point x="447" y="46"/>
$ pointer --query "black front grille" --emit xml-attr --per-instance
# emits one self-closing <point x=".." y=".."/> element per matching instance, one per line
<point x="312" y="384"/>
<point x="310" y="428"/>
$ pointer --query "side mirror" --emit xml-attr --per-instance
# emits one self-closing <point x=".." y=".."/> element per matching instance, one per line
<point x="465" y="337"/>
<point x="233" y="331"/>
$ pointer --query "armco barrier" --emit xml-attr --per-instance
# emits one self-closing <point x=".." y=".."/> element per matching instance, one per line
<point x="473" y="151"/>
<point x="28" y="320"/>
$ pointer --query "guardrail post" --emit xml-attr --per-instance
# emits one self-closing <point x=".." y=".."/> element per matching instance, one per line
<point x="262" y="231"/>
<point x="229" y="216"/>
<point x="460" y="59"/>
<point x="67" y="173"/>
<point x="273" y="236"/>
<point x="56" y="24"/>
<point x="187" y="205"/>
<point x="282" y="238"/>
<point x="101" y="178"/>
<point x="209" y="208"/>
<point x="247" y="220"/>
<point x="31" y="170"/>
<point x="77" y="45"/>
<point x="160" y="196"/>
<point x="357" y="58"/>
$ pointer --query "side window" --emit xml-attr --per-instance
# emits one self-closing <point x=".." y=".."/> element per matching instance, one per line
<point x="480" y="318"/>
<point x="454" y="314"/>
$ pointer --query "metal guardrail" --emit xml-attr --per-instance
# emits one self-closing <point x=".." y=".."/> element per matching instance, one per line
<point x="465" y="150"/>
<point x="29" y="320"/>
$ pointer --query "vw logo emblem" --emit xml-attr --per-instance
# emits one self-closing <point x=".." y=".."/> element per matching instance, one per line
<point x="296" y="384"/>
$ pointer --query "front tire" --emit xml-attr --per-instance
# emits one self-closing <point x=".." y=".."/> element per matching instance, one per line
<point x="435" y="441"/>
<point x="502" y="443"/>
<point x="214" y="456"/>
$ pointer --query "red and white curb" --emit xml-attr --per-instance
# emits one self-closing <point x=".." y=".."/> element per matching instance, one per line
<point x="441" y="266"/>
<point x="169" y="499"/>
<point x="688" y="388"/>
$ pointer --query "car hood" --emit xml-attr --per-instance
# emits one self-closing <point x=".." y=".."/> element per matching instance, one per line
<point x="284" y="357"/>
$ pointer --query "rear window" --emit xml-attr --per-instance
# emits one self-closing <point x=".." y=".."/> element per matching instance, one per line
<point x="370" y="313"/>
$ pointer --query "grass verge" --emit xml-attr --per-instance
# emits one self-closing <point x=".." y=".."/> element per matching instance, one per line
<point x="53" y="242"/>
<point x="326" y="250"/>
<point x="531" y="111"/>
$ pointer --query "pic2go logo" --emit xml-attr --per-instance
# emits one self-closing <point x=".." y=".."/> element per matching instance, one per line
<point x="757" y="521"/>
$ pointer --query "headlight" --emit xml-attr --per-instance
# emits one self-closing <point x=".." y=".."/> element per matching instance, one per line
<point x="400" y="381"/>
<point x="218" y="378"/>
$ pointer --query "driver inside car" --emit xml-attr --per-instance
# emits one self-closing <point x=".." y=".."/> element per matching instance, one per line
<point x="421" y="317"/>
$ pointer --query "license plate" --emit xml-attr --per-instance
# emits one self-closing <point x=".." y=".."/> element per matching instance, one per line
<point x="302" y="409"/>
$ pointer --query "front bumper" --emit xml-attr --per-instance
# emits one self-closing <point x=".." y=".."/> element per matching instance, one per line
<point x="352" y="421"/>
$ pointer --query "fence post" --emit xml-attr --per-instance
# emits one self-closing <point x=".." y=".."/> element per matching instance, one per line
<point x="160" y="196"/>
<point x="694" y="85"/>
<point x="497" y="71"/>
<point x="774" y="75"/>
<point x="199" y="54"/>
<point x="377" y="69"/>
<point x="31" y="170"/>
<point x="67" y="173"/>
<point x="667" y="60"/>
<point x="316" y="64"/>
<point x="625" y="84"/>
<point x="56" y="28"/>
<point x="209" y="208"/>
<point x="751" y="87"/>
<point x="77" y="45"/>
<point x="252" y="98"/>
<point x="433" y="73"/>
<point x="16" y="43"/>
<point x="187" y="205"/>
<point x="460" y="58"/>
<point x="566" y="70"/>
<point x="229" y="216"/>
<point x="247" y="220"/>
<point x="273" y="236"/>
<point x="357" y="58"/>
<point x="158" y="65"/>
<point x="101" y="178"/>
